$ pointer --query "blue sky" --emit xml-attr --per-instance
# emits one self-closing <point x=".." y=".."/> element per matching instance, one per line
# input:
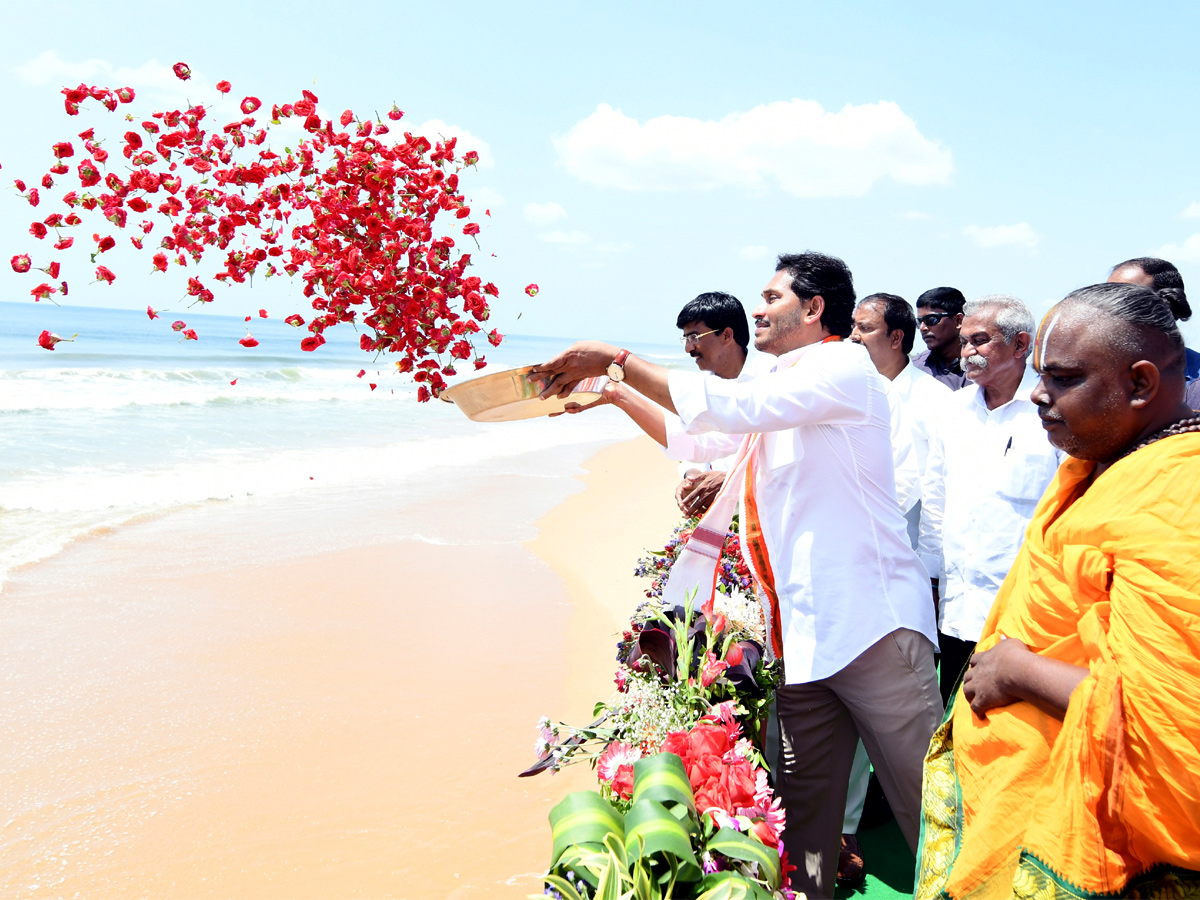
<point x="639" y="154"/>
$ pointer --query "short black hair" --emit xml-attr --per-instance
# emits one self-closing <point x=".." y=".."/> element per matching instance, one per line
<point x="817" y="273"/>
<point x="1167" y="281"/>
<point x="896" y="314"/>
<point x="718" y="311"/>
<point x="946" y="299"/>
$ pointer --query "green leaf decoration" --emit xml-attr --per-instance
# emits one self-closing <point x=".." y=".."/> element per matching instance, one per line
<point x="731" y="886"/>
<point x="651" y="825"/>
<point x="582" y="818"/>
<point x="732" y="843"/>
<point x="563" y="886"/>
<point x="663" y="778"/>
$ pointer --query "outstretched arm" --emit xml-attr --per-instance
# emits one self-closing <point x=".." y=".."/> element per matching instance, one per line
<point x="589" y="359"/>
<point x="647" y="416"/>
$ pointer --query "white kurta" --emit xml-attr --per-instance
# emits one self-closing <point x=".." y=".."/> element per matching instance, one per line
<point x="844" y="571"/>
<point x="986" y="472"/>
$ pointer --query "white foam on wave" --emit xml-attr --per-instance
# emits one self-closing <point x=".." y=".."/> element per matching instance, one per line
<point x="64" y="390"/>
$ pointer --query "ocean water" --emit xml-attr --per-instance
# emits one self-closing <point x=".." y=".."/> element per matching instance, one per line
<point x="128" y="423"/>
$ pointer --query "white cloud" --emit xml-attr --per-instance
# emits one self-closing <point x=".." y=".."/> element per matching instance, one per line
<point x="484" y="197"/>
<point x="1192" y="211"/>
<point x="544" y="213"/>
<point x="575" y="238"/>
<point x="794" y="145"/>
<point x="1019" y="235"/>
<point x="753" y="252"/>
<point x="436" y="129"/>
<point x="50" y="68"/>
<point x="1188" y="251"/>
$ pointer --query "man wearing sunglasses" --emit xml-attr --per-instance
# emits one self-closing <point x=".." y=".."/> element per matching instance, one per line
<point x="939" y="317"/>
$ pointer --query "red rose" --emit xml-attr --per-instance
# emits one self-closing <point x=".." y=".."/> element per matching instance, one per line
<point x="182" y="72"/>
<point x="106" y="275"/>
<point x="395" y="113"/>
<point x="248" y="341"/>
<point x="250" y="104"/>
<point x="38" y="230"/>
<point x="764" y="833"/>
<point x="151" y="313"/>
<point x="224" y="87"/>
<point x="312" y="342"/>
<point x="64" y="244"/>
<point x="470" y="229"/>
<point x="531" y="290"/>
<point x="106" y="243"/>
<point x="125" y="94"/>
<point x="296" y="321"/>
<point x="21" y="263"/>
<point x="42" y="292"/>
<point x="178" y="325"/>
<point x="63" y="149"/>
<point x="160" y="261"/>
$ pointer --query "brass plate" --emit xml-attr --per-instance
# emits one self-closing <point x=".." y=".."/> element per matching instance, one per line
<point x="512" y="395"/>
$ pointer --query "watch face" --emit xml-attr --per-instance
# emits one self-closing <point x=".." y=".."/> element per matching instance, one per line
<point x="615" y="372"/>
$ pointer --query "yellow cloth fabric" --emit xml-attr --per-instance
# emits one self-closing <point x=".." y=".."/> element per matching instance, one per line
<point x="1108" y="578"/>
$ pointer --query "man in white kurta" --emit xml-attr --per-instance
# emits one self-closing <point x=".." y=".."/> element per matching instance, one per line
<point x="858" y="629"/>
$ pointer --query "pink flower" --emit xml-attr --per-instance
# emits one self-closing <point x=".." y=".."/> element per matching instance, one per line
<point x="47" y="340"/>
<point x="531" y="290"/>
<point x="615" y="767"/>
<point x="712" y="669"/>
<point x="182" y="72"/>
<point x="21" y="263"/>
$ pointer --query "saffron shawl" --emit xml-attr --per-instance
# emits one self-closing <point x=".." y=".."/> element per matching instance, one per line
<point x="1107" y="801"/>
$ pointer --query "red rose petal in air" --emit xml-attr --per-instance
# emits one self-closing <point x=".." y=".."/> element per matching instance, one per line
<point x="224" y="87"/>
<point x="295" y="321"/>
<point x="189" y="334"/>
<point x="105" y="274"/>
<point x="42" y="292"/>
<point x="106" y="243"/>
<point x="234" y="381"/>
<point x="52" y="270"/>
<point x="395" y="113"/>
<point x="22" y="263"/>
<point x="373" y="386"/>
<point x="182" y="72"/>
<point x="531" y="290"/>
<point x="361" y="373"/>
<point x="248" y="340"/>
<point x="262" y="314"/>
<point x="250" y="104"/>
<point x="48" y="339"/>
<point x="152" y="313"/>
<point x="160" y="261"/>
<point x="178" y="325"/>
<point x="38" y="230"/>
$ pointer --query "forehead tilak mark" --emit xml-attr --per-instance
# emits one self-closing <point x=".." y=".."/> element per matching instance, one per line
<point x="1040" y="356"/>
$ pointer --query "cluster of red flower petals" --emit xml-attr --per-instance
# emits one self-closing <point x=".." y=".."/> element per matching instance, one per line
<point x="718" y="776"/>
<point x="349" y="210"/>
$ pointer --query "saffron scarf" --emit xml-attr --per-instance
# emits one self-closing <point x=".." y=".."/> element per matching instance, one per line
<point x="1105" y="802"/>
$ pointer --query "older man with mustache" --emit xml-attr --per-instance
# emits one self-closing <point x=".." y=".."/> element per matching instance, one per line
<point x="988" y="465"/>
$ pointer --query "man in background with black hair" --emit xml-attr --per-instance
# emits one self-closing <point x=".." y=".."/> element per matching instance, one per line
<point x="939" y="316"/>
<point x="1165" y="280"/>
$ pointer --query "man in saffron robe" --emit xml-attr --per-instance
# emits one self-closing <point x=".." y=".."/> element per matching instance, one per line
<point x="1066" y="765"/>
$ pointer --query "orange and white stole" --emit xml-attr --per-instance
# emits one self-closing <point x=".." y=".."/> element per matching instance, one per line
<point x="698" y="563"/>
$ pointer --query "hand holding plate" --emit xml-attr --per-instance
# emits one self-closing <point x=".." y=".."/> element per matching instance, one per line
<point x="585" y="359"/>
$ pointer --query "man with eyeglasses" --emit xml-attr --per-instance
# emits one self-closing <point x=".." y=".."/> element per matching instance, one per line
<point x="939" y="316"/>
<point x="716" y="334"/>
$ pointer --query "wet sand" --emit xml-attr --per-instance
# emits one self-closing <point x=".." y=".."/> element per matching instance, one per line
<point x="182" y="721"/>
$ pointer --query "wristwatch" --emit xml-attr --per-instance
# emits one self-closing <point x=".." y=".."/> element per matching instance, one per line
<point x="616" y="368"/>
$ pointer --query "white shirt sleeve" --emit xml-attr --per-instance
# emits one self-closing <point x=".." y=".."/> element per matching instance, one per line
<point x="904" y="455"/>
<point x="933" y="502"/>
<point x="821" y="388"/>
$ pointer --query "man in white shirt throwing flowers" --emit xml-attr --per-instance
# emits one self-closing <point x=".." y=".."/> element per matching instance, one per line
<point x="823" y="533"/>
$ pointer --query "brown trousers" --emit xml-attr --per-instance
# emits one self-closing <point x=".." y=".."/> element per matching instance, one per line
<point x="889" y="697"/>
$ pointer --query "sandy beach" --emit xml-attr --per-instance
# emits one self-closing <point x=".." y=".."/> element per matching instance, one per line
<point x="188" y="715"/>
